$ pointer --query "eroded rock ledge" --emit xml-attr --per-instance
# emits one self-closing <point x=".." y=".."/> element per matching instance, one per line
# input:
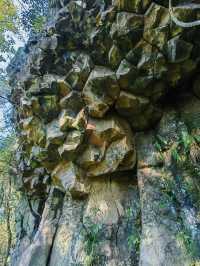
<point x="108" y="117"/>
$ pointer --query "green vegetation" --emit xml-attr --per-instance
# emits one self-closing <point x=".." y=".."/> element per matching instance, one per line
<point x="175" y="154"/>
<point x="28" y="16"/>
<point x="38" y="23"/>
<point x="8" y="23"/>
<point x="160" y="145"/>
<point x="184" y="184"/>
<point x="134" y="237"/>
<point x="185" y="238"/>
<point x="8" y="199"/>
<point x="185" y="154"/>
<point x="134" y="242"/>
<point x="169" y="192"/>
<point x="184" y="149"/>
<point x="91" y="233"/>
<point x="33" y="15"/>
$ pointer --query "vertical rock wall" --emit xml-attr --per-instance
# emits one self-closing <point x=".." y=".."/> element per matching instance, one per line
<point x="108" y="116"/>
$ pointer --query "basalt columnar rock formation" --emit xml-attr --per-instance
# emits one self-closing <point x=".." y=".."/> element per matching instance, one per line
<point x="108" y="117"/>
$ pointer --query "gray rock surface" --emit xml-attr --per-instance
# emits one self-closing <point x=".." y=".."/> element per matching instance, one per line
<point x="108" y="113"/>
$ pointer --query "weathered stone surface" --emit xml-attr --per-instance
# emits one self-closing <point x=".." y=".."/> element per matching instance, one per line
<point x="38" y="252"/>
<point x="70" y="147"/>
<point x="80" y="71"/>
<point x="68" y="177"/>
<point x="126" y="23"/>
<point x="164" y="216"/>
<point x="190" y="112"/>
<point x="114" y="56"/>
<point x="42" y="86"/>
<point x="37" y="182"/>
<point x="71" y="120"/>
<point x="91" y="156"/>
<point x="100" y="91"/>
<point x="52" y="158"/>
<point x="54" y="134"/>
<point x="99" y="73"/>
<point x="81" y="120"/>
<point x="137" y="6"/>
<point x="66" y="232"/>
<point x="147" y="119"/>
<point x="138" y="110"/>
<point x="186" y="14"/>
<point x="129" y="105"/>
<point x="107" y="130"/>
<point x="120" y="155"/>
<point x="72" y="102"/>
<point x="126" y="75"/>
<point x="48" y="107"/>
<point x="65" y="120"/>
<point x="29" y="107"/>
<point x="111" y="147"/>
<point x="127" y="30"/>
<point x="73" y="115"/>
<point x="156" y="16"/>
<point x="108" y="211"/>
<point x="154" y="231"/>
<point x="38" y="153"/>
<point x="62" y="86"/>
<point x="157" y="60"/>
<point x="34" y="131"/>
<point x="178" y="50"/>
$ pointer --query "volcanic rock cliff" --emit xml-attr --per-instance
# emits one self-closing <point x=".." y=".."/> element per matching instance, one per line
<point x="108" y="119"/>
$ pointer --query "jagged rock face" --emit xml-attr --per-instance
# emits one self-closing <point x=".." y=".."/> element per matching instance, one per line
<point x="108" y="160"/>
